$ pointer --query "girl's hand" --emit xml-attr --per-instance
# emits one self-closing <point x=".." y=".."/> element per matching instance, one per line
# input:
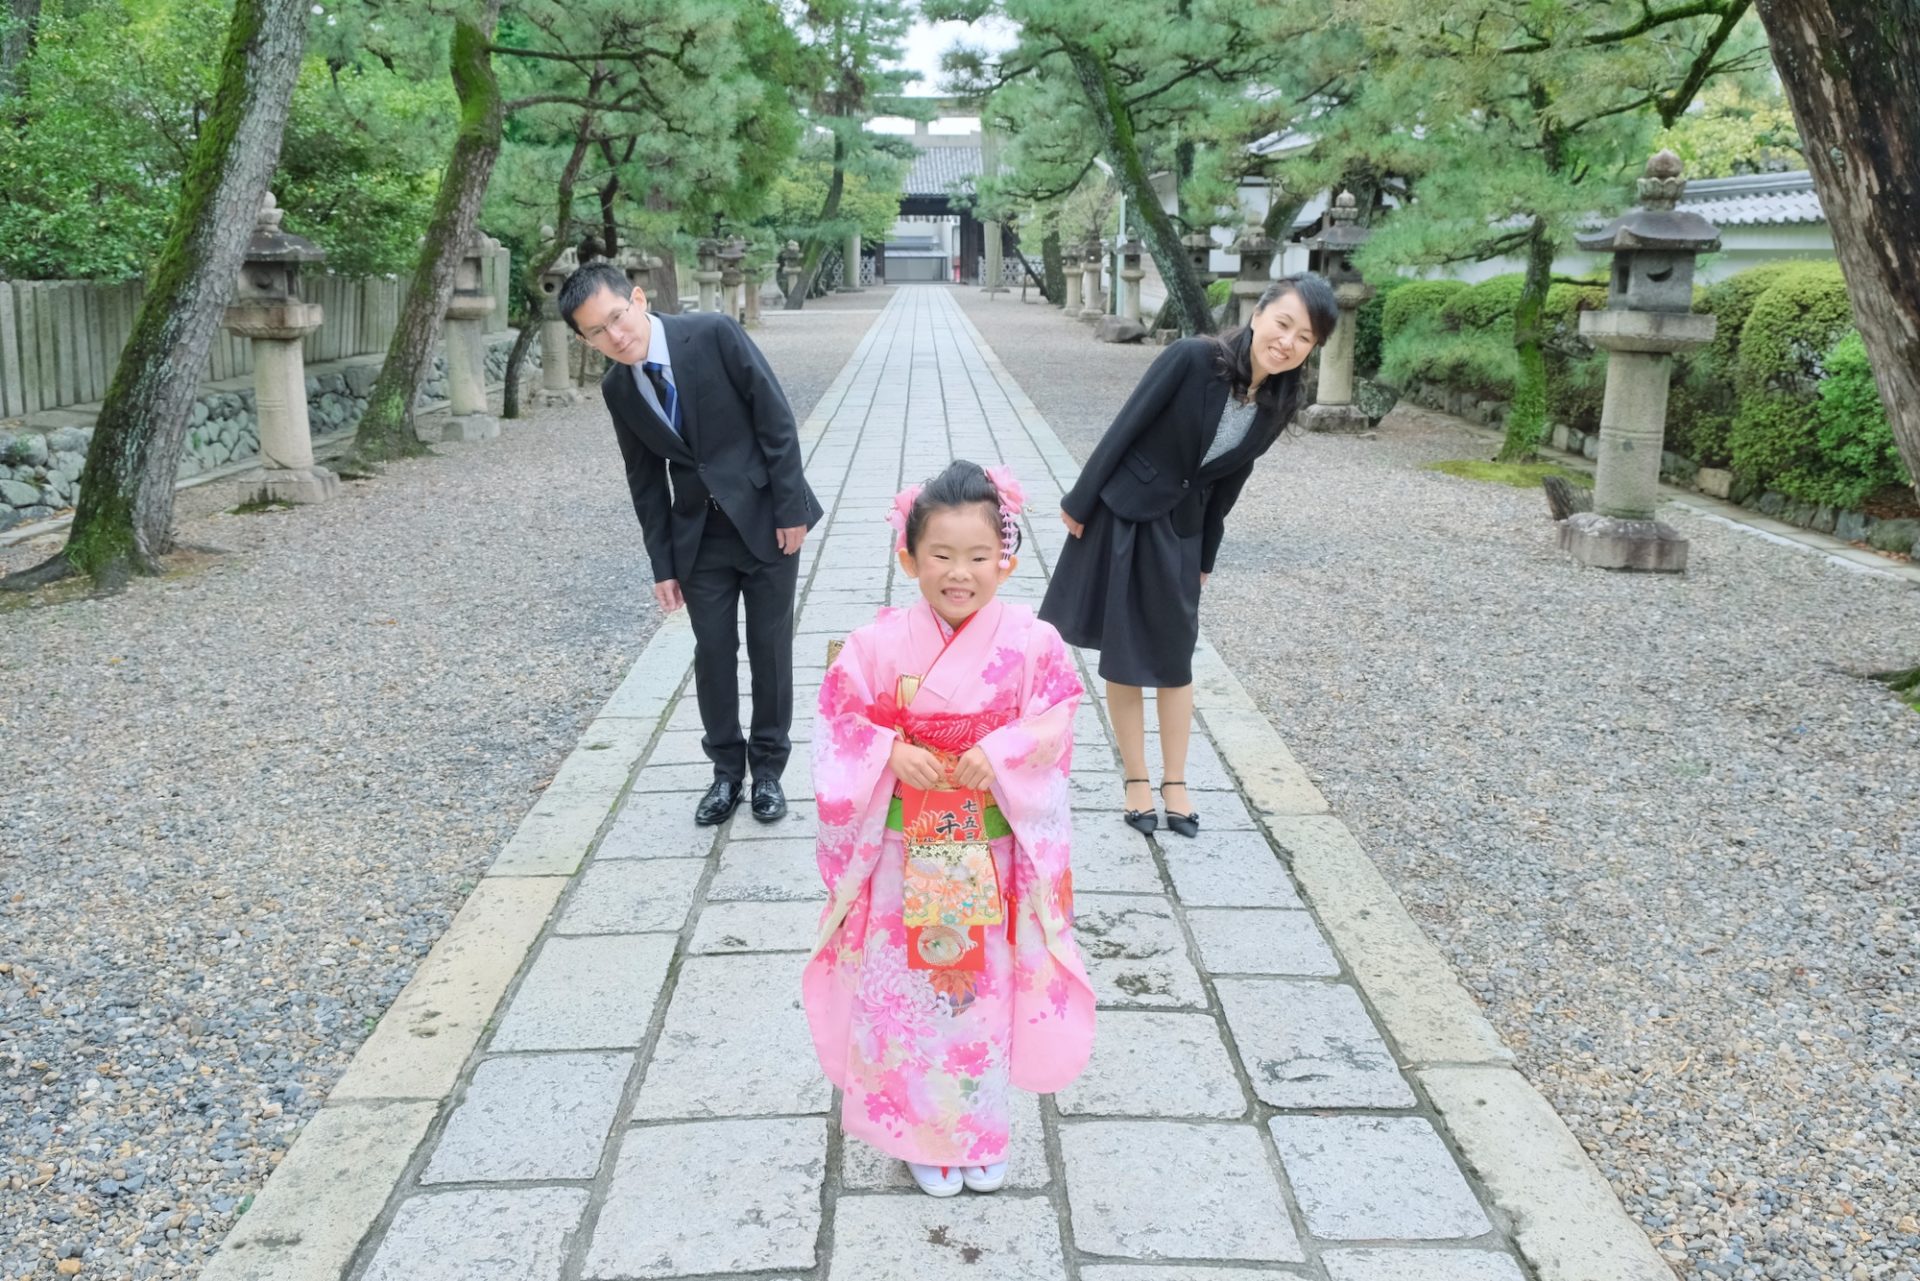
<point x="1074" y="527"/>
<point x="974" y="770"/>
<point x="916" y="766"/>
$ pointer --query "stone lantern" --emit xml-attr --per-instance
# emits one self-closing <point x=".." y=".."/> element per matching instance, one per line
<point x="1256" y="271"/>
<point x="759" y="269"/>
<point x="1332" y="256"/>
<point x="1092" y="306"/>
<point x="1199" y="247"/>
<point x="467" y="313"/>
<point x="1649" y="317"/>
<point x="732" y="277"/>
<point x="708" y="275"/>
<point x="1132" y="273"/>
<point x="556" y="365"/>
<point x="1073" y="269"/>
<point x="639" y="268"/>
<point x="850" y="264"/>
<point x="267" y="309"/>
<point x="792" y="261"/>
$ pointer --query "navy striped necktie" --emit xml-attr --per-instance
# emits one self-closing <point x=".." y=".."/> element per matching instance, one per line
<point x="669" y="395"/>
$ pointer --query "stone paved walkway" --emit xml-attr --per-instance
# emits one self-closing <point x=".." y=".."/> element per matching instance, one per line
<point x="644" y="1102"/>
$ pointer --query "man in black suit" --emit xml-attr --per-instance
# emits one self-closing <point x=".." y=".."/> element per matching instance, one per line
<point x="713" y="462"/>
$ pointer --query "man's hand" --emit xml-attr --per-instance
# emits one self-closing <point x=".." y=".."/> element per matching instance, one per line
<point x="1204" y="578"/>
<point x="790" y="539"/>
<point x="1074" y="527"/>
<point x="667" y="595"/>
<point x="974" y="770"/>
<point x="916" y="766"/>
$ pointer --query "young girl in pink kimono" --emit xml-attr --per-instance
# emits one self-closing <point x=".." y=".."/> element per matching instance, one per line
<point x="946" y="971"/>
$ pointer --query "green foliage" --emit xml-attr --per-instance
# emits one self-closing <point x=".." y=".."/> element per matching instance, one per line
<point x="1367" y="322"/>
<point x="117" y="93"/>
<point x="1415" y="301"/>
<point x="1736" y="129"/>
<point x="1518" y="475"/>
<point x="1855" y="453"/>
<point x="1481" y="363"/>
<point x="1486" y="306"/>
<point x="1790" y="329"/>
<point x="1702" y="400"/>
<point x="1218" y="291"/>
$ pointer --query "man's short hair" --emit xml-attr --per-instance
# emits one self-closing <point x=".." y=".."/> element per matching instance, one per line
<point x="587" y="281"/>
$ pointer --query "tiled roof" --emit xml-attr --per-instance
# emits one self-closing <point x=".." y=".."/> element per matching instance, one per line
<point x="943" y="171"/>
<point x="1755" y="199"/>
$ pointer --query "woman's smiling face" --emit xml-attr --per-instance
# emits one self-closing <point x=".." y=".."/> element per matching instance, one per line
<point x="1282" y="335"/>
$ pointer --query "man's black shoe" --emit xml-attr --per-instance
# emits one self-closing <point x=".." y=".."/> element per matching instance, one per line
<point x="769" y="802"/>
<point x="718" y="804"/>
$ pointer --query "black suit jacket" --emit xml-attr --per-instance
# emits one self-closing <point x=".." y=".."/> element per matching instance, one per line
<point x="741" y="446"/>
<point x="1148" y="463"/>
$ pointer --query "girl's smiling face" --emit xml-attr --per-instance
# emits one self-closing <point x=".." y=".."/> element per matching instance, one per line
<point x="956" y="561"/>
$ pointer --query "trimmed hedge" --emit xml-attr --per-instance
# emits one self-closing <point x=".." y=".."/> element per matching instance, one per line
<point x="1487" y="306"/>
<point x="1792" y="326"/>
<point x="1416" y="299"/>
<point x="1367" y="325"/>
<point x="1853" y="439"/>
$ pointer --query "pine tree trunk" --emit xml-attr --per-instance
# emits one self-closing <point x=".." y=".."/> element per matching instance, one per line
<point x="817" y="243"/>
<point x="539" y="263"/>
<point x="517" y="355"/>
<point x="1852" y="73"/>
<point x="386" y="429"/>
<point x="1527" y="419"/>
<point x="1123" y="152"/>
<point x="17" y="46"/>
<point x="1053" y="264"/>
<point x="123" y="522"/>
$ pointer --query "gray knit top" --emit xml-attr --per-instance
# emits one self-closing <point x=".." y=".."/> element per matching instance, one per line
<point x="1235" y="421"/>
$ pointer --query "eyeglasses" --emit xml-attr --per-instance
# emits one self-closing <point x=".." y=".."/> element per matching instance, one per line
<point x="599" y="331"/>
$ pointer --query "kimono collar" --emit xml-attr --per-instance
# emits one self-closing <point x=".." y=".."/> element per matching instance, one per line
<point x="949" y="673"/>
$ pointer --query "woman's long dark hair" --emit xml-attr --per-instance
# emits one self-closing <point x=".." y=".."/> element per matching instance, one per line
<point x="1279" y="395"/>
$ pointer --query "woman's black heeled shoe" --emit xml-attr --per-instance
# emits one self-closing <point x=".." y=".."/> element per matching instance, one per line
<point x="1188" y="825"/>
<point x="1145" y="821"/>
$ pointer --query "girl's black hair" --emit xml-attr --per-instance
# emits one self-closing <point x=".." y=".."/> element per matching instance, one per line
<point x="962" y="484"/>
<point x="1279" y="395"/>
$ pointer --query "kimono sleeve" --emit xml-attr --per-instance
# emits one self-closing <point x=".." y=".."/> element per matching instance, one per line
<point x="852" y="778"/>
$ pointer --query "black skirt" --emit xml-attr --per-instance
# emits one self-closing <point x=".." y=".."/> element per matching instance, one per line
<point x="1132" y="591"/>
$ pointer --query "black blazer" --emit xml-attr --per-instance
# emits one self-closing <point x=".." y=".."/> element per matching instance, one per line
<point x="1148" y="464"/>
<point x="741" y="446"/>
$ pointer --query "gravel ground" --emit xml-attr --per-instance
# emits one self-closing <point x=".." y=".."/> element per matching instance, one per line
<point x="1668" y="837"/>
<point x="244" y="800"/>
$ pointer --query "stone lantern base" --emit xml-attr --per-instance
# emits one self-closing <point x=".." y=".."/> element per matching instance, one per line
<point x="469" y="427"/>
<point x="1335" y="419"/>
<point x="304" y="485"/>
<point x="562" y="397"/>
<point x="1609" y="542"/>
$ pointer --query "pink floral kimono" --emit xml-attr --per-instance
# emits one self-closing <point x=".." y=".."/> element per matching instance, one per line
<point x="925" y="1056"/>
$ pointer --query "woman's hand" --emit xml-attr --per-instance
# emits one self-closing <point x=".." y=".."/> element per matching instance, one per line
<point x="974" y="770"/>
<point x="916" y="766"/>
<point x="1074" y="527"/>
<point x="1203" y="579"/>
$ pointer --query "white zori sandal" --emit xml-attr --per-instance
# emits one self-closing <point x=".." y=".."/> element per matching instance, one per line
<point x="937" y="1180"/>
<point x="985" y="1178"/>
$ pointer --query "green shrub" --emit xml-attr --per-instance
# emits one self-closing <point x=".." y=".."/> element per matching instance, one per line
<point x="1367" y="336"/>
<point x="1788" y="332"/>
<point x="1482" y="364"/>
<point x="1852" y="437"/>
<point x="1576" y="373"/>
<point x="1415" y="300"/>
<point x="1488" y="305"/>
<point x="1219" y="291"/>
<point x="1702" y="401"/>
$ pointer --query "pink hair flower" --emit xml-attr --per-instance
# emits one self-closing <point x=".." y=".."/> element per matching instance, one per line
<point x="900" y="512"/>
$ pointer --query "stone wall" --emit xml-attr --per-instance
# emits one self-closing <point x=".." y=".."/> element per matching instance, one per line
<point x="40" y="469"/>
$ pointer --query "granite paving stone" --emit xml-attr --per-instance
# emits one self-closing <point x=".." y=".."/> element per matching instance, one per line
<point x="656" y="825"/>
<point x="1228" y="869"/>
<point x="1248" y="940"/>
<point x="1309" y="1044"/>
<point x="506" y="1234"/>
<point x="735" y="1043"/>
<point x="587" y="994"/>
<point x="1134" y="951"/>
<point x="711" y="1197"/>
<point x="766" y="871"/>
<point x="1418" y="1265"/>
<point x="1137" y="1192"/>
<point x="1111" y="858"/>
<point x="632" y="896"/>
<point x="756" y="927"/>
<point x="1158" y="1065"/>
<point x="539" y="1116"/>
<point x="1005" y="1237"/>
<point x="1375" y="1178"/>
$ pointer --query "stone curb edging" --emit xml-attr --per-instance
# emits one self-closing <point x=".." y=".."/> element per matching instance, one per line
<point x="336" y="1179"/>
<point x="1567" y="1222"/>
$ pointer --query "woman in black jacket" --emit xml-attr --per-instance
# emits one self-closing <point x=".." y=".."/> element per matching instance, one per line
<point x="1150" y="508"/>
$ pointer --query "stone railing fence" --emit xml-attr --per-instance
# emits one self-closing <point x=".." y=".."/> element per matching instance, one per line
<point x="60" y="339"/>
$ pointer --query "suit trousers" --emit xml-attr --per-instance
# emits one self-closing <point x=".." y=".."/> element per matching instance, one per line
<point x="724" y="573"/>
